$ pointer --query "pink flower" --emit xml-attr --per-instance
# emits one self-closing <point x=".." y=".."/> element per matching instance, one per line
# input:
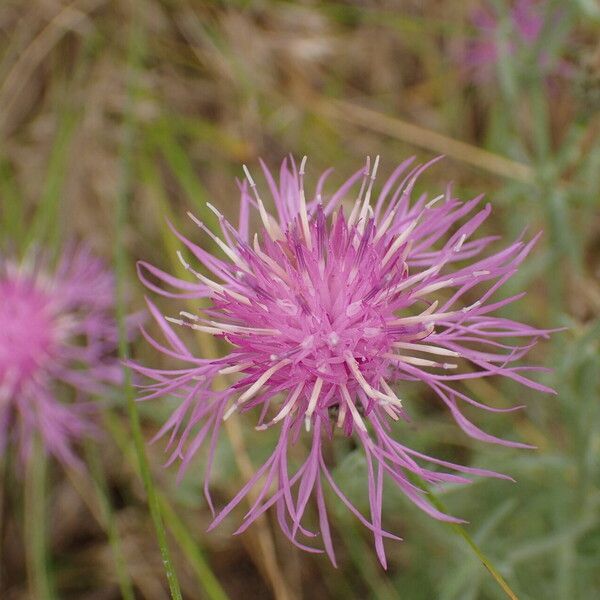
<point x="57" y="337"/>
<point x="527" y="19"/>
<point x="328" y="312"/>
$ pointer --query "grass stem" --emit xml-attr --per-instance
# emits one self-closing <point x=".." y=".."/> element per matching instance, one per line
<point x="35" y="523"/>
<point x="133" y="62"/>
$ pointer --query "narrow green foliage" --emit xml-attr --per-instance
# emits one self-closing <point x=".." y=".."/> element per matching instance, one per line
<point x="36" y="523"/>
<point x="95" y="465"/>
<point x="134" y="59"/>
<point x="181" y="532"/>
<point x="462" y="532"/>
<point x="181" y="166"/>
<point x="47" y="222"/>
<point x="12" y="217"/>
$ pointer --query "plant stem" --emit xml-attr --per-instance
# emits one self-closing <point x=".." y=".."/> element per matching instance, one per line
<point x="133" y="62"/>
<point x="110" y="523"/>
<point x="35" y="524"/>
<point x="177" y="527"/>
<point x="462" y="532"/>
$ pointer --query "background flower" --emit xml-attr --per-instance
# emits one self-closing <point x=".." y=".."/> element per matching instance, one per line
<point x="518" y="36"/>
<point x="57" y="342"/>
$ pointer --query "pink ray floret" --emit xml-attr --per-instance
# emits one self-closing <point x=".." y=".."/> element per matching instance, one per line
<point x="327" y="309"/>
<point x="57" y="341"/>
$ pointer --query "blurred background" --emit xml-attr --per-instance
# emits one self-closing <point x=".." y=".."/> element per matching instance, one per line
<point x="153" y="105"/>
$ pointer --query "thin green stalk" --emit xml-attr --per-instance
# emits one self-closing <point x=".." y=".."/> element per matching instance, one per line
<point x="178" y="528"/>
<point x="462" y="532"/>
<point x="35" y="524"/>
<point x="11" y="216"/>
<point x="108" y="516"/>
<point x="45" y="225"/>
<point x="193" y="552"/>
<point x="133" y="62"/>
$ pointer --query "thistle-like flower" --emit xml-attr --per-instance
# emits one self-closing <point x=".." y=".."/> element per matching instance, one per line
<point x="327" y="310"/>
<point x="526" y="21"/>
<point x="57" y="336"/>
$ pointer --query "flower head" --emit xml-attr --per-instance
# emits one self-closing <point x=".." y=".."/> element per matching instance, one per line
<point x="57" y="333"/>
<point x="526" y="22"/>
<point x="327" y="310"/>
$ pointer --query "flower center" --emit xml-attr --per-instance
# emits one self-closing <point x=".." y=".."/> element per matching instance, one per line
<point x="329" y="305"/>
<point x="27" y="330"/>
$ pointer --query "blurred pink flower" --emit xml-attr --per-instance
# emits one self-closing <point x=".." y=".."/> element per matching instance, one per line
<point x="326" y="312"/>
<point x="527" y="19"/>
<point x="57" y="336"/>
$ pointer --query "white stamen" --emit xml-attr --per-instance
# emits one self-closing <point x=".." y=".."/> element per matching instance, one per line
<point x="214" y="210"/>
<point x="357" y="202"/>
<point x="255" y="387"/>
<point x="232" y="255"/>
<point x="287" y="408"/>
<point x="425" y="348"/>
<point x="390" y="392"/>
<point x="303" y="212"/>
<point x="364" y="384"/>
<point x="268" y="260"/>
<point x="216" y="327"/>
<point x="460" y="242"/>
<point x="409" y="281"/>
<point x="268" y="221"/>
<point x="385" y="225"/>
<point x="341" y="414"/>
<point x="203" y="328"/>
<point x="366" y="205"/>
<point x="210" y="283"/>
<point x="389" y="409"/>
<point x="402" y="237"/>
<point x="195" y="219"/>
<point x="471" y="306"/>
<point x="314" y="397"/>
<point x="419" y="362"/>
<point x="417" y="318"/>
<point x="188" y="315"/>
<point x="432" y="287"/>
<point x="303" y="165"/>
<point x="235" y="368"/>
<point x="353" y="410"/>
<point x="434" y="201"/>
<point x="424" y="318"/>
<point x="256" y="330"/>
<point x="398" y="242"/>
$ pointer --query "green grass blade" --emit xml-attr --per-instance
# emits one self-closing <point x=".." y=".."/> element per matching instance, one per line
<point x="44" y="226"/>
<point x="164" y="140"/>
<point x="178" y="528"/>
<point x="35" y="523"/>
<point x="462" y="532"/>
<point x="134" y="59"/>
<point x="97" y="474"/>
<point x="193" y="552"/>
<point x="11" y="216"/>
